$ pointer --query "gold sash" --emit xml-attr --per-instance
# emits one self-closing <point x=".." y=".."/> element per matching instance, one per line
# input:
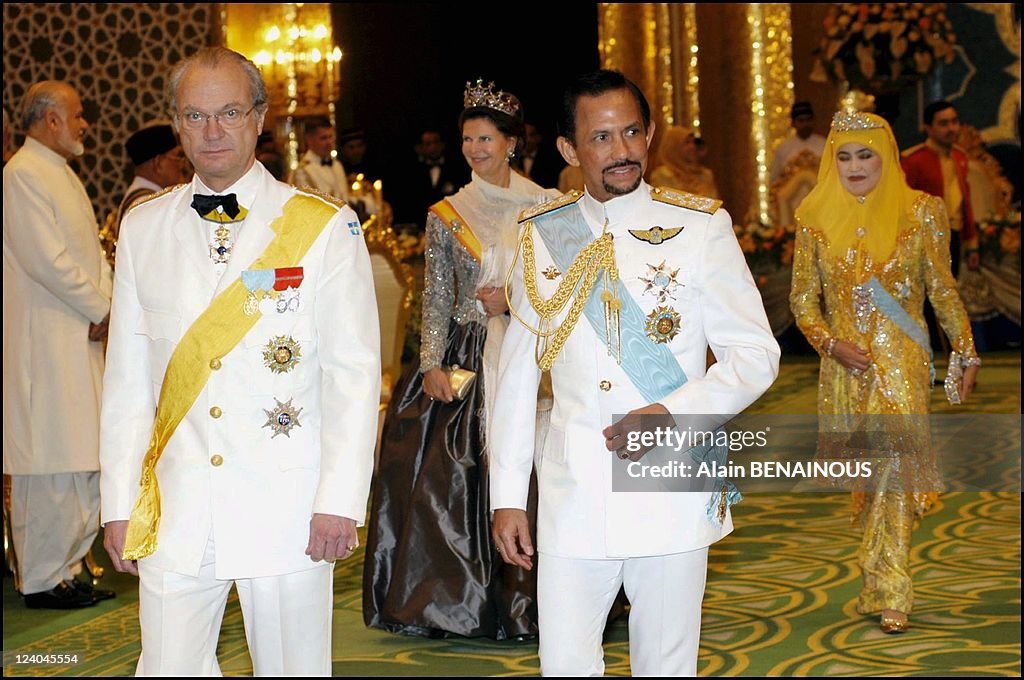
<point x="213" y="335"/>
<point x="447" y="213"/>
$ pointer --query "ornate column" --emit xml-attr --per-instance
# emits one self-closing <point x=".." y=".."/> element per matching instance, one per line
<point x="771" y="87"/>
<point x="747" y="88"/>
<point x="655" y="45"/>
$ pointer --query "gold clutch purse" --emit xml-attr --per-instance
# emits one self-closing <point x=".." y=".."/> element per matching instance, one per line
<point x="460" y="380"/>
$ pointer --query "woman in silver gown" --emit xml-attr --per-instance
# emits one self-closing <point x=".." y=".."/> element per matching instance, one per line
<point x="431" y="567"/>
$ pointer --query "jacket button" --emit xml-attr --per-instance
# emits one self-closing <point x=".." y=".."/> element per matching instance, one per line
<point x="605" y="385"/>
<point x="215" y="364"/>
<point x="216" y="412"/>
<point x="216" y="460"/>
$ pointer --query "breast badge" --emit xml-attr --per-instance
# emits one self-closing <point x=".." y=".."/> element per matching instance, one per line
<point x="655" y="235"/>
<point x="282" y="418"/>
<point x="220" y="245"/>
<point x="663" y="324"/>
<point x="551" y="273"/>
<point x="282" y="353"/>
<point x="661" y="282"/>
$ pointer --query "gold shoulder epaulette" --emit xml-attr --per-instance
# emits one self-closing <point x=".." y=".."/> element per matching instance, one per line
<point x="912" y="150"/>
<point x="553" y="204"/>
<point x="333" y="200"/>
<point x="149" y="197"/>
<point x="681" y="199"/>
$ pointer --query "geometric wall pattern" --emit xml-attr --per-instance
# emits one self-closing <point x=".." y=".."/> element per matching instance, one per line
<point x="117" y="56"/>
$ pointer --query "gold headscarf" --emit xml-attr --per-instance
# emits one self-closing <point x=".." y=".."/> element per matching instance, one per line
<point x="671" y="149"/>
<point x="885" y="213"/>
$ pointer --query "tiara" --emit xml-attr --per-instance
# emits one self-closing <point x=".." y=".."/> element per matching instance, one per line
<point x="480" y="95"/>
<point x="847" y="121"/>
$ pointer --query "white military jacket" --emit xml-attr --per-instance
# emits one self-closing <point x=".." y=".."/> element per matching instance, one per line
<point x="694" y="267"/>
<point x="235" y="468"/>
<point x="331" y="180"/>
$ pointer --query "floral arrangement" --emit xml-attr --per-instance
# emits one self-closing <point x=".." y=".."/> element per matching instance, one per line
<point x="999" y="237"/>
<point x="882" y="47"/>
<point x="764" y="246"/>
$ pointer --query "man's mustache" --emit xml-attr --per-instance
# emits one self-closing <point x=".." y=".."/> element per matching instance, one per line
<point x="621" y="164"/>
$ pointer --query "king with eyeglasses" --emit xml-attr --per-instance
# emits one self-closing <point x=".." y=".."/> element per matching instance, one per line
<point x="239" y="415"/>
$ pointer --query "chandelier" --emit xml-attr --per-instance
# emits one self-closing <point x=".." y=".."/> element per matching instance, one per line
<point x="299" y="60"/>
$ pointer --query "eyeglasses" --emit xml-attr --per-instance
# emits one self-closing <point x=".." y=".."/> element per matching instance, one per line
<point x="232" y="119"/>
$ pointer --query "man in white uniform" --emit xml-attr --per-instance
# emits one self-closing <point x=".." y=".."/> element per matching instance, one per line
<point x="804" y="138"/>
<point x="231" y="367"/>
<point x="318" y="168"/>
<point x="56" y="301"/>
<point x="637" y="347"/>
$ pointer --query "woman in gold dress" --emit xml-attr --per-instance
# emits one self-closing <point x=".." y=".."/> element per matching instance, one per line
<point x="679" y="165"/>
<point x="868" y="251"/>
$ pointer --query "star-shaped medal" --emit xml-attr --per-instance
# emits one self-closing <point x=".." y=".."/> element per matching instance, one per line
<point x="282" y="418"/>
<point x="661" y="282"/>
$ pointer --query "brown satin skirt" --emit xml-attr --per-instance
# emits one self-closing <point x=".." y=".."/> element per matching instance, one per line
<point x="431" y="568"/>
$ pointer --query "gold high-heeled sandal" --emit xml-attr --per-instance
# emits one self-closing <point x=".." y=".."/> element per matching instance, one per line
<point x="892" y="625"/>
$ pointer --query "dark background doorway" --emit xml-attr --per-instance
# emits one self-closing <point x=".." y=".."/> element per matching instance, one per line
<point x="405" y="65"/>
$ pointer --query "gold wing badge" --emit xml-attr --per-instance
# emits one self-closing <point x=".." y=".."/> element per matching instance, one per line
<point x="655" y="235"/>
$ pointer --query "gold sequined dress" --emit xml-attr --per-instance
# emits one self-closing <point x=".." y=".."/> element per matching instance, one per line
<point x="890" y="400"/>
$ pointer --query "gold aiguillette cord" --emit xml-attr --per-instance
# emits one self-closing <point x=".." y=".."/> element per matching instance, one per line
<point x="597" y="256"/>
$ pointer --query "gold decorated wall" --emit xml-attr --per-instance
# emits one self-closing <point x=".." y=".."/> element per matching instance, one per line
<point x="695" y="61"/>
<point x="117" y="56"/>
<point x="730" y="70"/>
<point x="736" y="68"/>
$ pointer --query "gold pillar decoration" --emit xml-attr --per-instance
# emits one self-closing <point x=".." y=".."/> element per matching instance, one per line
<point x="663" y="63"/>
<point x="771" y="89"/>
<point x="655" y="45"/>
<point x="293" y="46"/>
<point x="630" y="40"/>
<point x="691" y="49"/>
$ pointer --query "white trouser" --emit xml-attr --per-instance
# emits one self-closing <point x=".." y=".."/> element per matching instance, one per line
<point x="665" y="595"/>
<point x="54" y="521"/>
<point x="287" y="620"/>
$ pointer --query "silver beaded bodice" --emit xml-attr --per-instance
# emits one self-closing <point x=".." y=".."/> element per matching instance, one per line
<point x="450" y="280"/>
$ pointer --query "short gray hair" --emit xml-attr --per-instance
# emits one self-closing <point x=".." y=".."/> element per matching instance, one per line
<point x="40" y="98"/>
<point x="212" y="57"/>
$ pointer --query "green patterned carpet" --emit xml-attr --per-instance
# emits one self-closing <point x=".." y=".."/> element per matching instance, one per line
<point x="779" y="602"/>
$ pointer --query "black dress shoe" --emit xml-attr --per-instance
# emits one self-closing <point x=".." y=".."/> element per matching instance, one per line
<point x="87" y="588"/>
<point x="61" y="596"/>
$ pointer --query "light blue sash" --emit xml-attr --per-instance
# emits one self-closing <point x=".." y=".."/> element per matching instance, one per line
<point x="894" y="311"/>
<point x="651" y="366"/>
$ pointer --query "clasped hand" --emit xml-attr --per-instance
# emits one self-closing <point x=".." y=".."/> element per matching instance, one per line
<point x="98" y="331"/>
<point x="493" y="300"/>
<point x="850" y="356"/>
<point x="623" y="436"/>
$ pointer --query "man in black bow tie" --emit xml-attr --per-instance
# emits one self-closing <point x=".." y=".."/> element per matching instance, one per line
<point x="232" y="362"/>
<point x="427" y="179"/>
<point x="318" y="168"/>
